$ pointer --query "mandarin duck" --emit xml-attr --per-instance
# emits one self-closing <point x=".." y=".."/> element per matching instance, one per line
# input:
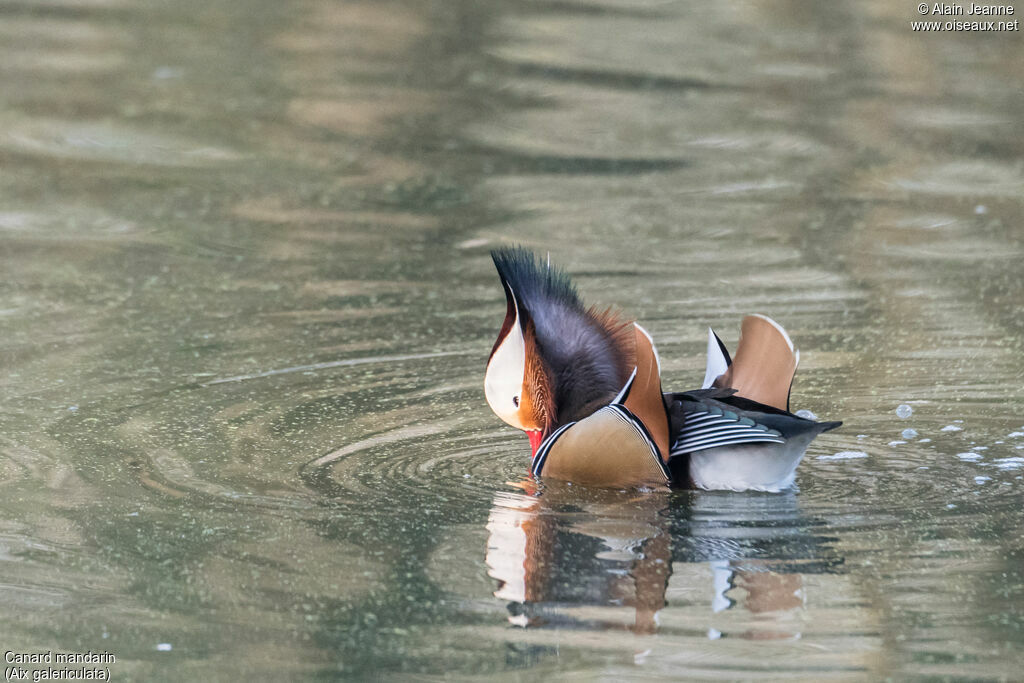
<point x="585" y="386"/>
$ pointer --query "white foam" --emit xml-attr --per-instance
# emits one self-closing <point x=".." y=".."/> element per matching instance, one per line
<point x="951" y="428"/>
<point x="969" y="457"/>
<point x="844" y="455"/>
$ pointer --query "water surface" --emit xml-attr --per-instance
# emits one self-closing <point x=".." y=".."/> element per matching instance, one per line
<point x="245" y="302"/>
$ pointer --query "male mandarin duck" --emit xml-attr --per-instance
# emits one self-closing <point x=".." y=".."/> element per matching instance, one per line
<point x="585" y="385"/>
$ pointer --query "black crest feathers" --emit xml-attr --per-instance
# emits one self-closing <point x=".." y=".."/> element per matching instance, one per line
<point x="534" y="281"/>
<point x="588" y="353"/>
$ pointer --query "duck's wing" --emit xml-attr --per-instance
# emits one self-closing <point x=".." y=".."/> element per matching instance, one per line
<point x="718" y="360"/>
<point x="727" y="442"/>
<point x="712" y="418"/>
<point x="709" y="423"/>
<point x="763" y="367"/>
<point x="737" y="433"/>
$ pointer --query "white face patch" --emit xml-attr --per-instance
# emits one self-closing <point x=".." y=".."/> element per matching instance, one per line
<point x="503" y="381"/>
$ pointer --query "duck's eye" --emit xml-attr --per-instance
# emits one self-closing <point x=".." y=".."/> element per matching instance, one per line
<point x="515" y="400"/>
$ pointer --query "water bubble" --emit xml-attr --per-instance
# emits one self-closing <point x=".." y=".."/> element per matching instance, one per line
<point x="951" y="428"/>
<point x="806" y="414"/>
<point x="163" y="647"/>
<point x="982" y="480"/>
<point x="896" y="443"/>
<point x="904" y="411"/>
<point x="969" y="457"/>
<point x="909" y="433"/>
<point x="980" y="210"/>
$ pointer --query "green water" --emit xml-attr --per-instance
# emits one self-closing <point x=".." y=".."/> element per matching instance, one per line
<point x="246" y="300"/>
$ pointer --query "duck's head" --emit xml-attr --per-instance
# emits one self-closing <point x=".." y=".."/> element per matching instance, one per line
<point x="554" y="361"/>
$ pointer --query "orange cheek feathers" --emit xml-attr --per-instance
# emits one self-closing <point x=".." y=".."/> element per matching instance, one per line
<point x="537" y="410"/>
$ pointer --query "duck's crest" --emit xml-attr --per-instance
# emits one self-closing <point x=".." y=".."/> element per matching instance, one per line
<point x="533" y="282"/>
<point x="588" y="353"/>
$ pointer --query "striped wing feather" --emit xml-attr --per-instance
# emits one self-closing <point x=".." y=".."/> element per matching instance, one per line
<point x="713" y="427"/>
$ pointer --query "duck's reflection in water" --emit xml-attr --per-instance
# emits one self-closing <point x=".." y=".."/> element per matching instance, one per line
<point x="569" y="549"/>
<point x="572" y="557"/>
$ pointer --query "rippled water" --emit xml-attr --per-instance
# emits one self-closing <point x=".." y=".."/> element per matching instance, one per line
<point x="245" y="302"/>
